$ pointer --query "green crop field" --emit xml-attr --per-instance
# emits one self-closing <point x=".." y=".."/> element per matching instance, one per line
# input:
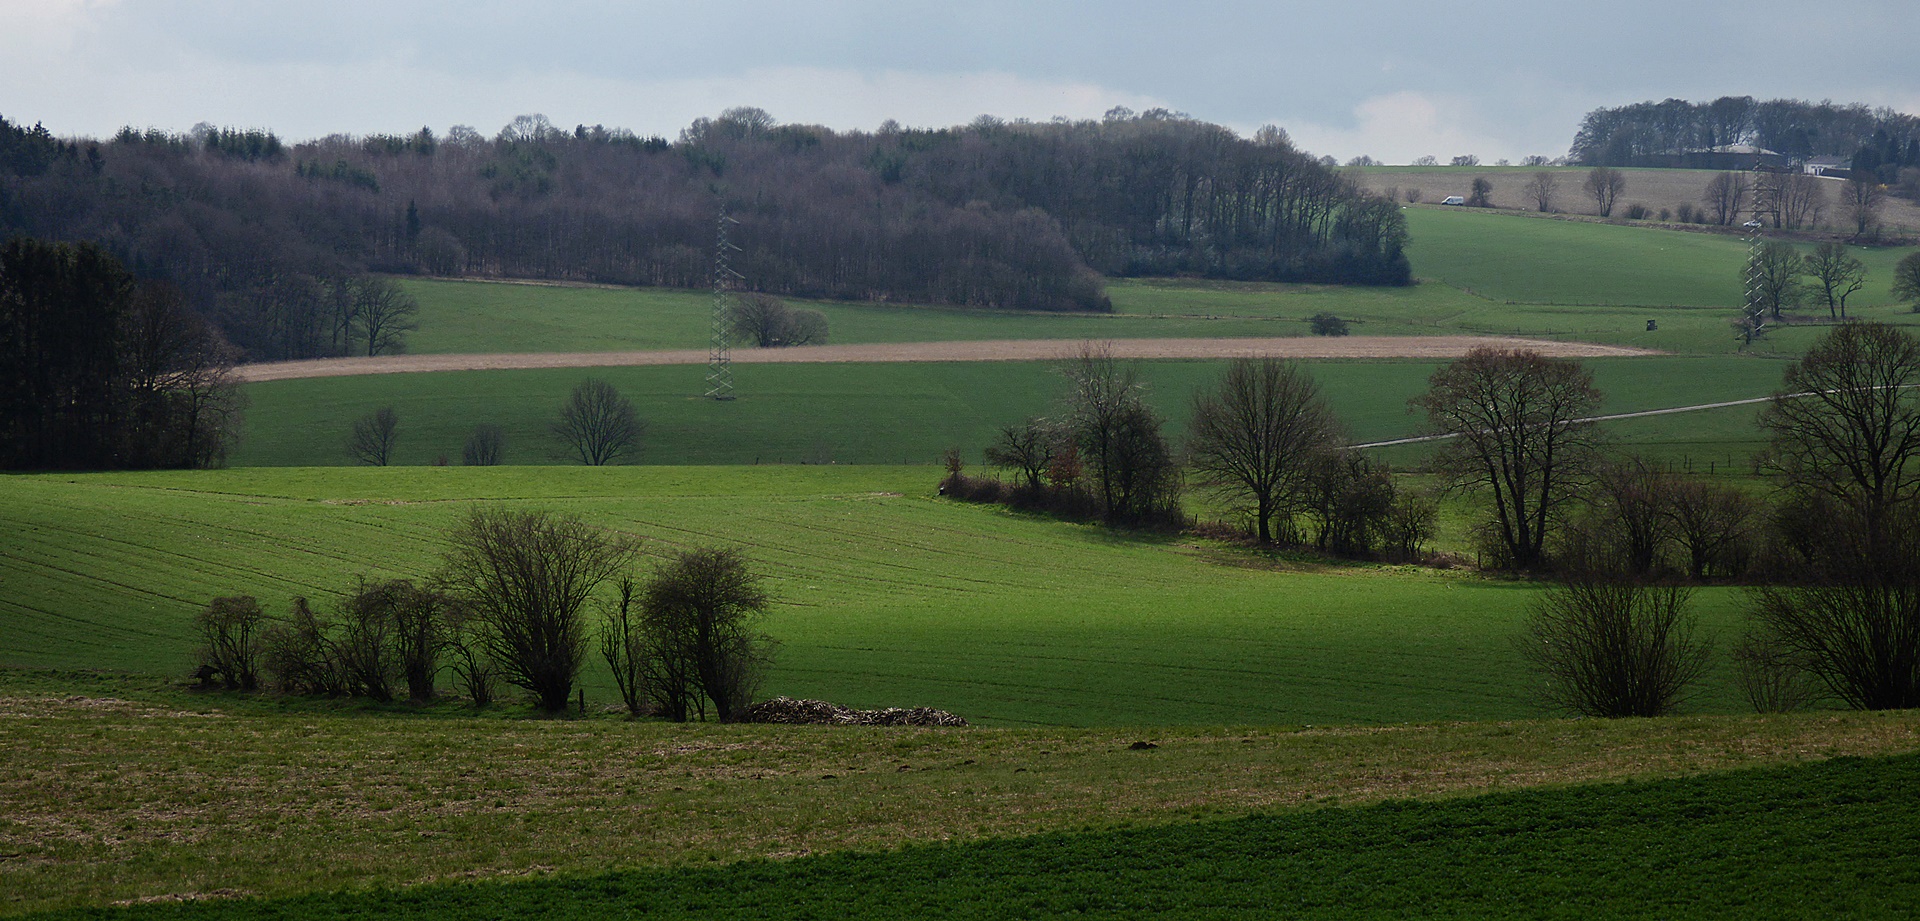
<point x="888" y="595"/>
<point x="115" y="790"/>
<point x="895" y="413"/>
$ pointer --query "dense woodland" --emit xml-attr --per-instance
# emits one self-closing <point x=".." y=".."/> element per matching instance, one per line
<point x="1881" y="140"/>
<point x="273" y="237"/>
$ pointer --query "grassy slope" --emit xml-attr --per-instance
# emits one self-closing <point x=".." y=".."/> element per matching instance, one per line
<point x="888" y="596"/>
<point x="875" y="413"/>
<point x="103" y="799"/>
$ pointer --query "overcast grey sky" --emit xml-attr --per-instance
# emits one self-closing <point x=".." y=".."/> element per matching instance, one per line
<point x="1394" y="79"/>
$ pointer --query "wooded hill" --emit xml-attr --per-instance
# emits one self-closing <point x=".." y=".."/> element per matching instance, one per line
<point x="996" y="215"/>
<point x="1631" y="134"/>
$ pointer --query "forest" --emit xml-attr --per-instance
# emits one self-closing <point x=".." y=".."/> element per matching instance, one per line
<point x="1877" y="139"/>
<point x="271" y="238"/>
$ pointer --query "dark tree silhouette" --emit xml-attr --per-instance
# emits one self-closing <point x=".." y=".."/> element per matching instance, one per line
<point x="373" y="435"/>
<point x="597" y="424"/>
<point x="1256" y="437"/>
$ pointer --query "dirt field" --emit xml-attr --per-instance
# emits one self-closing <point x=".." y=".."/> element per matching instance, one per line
<point x="1431" y="347"/>
<point x="1655" y="188"/>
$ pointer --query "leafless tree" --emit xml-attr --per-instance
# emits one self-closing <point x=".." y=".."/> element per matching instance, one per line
<point x="1837" y="274"/>
<point x="1726" y="196"/>
<point x="1516" y="417"/>
<point x="700" y="609"/>
<point x="233" y="629"/>
<point x="1256" y="436"/>
<point x="1906" y="280"/>
<point x="526" y="577"/>
<point x="484" y="446"/>
<point x="1026" y="448"/>
<point x="597" y="424"/>
<point x="1712" y="524"/>
<point x="1542" y="188"/>
<point x="623" y="644"/>
<point x="765" y="321"/>
<point x="1631" y="499"/>
<point x="1610" y="647"/>
<point x="384" y="314"/>
<point x="373" y="436"/>
<point x="1119" y="438"/>
<point x="1604" y="184"/>
<point x="1862" y="198"/>
<point x="1798" y="200"/>
<point x="1775" y="277"/>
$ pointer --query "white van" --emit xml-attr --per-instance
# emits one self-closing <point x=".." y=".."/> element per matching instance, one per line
<point x="1453" y="200"/>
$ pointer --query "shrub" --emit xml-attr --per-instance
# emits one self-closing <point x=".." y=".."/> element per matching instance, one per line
<point x="232" y="629"/>
<point x="1637" y="212"/>
<point x="1614" y="648"/>
<point x="1326" y="324"/>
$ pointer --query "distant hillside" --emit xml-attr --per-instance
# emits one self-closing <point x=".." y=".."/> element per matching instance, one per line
<point x="1880" y="140"/>
<point x="1003" y="215"/>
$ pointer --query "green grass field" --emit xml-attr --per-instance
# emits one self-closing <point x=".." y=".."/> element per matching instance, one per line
<point x="888" y="595"/>
<point x="116" y="790"/>
<point x="895" y="413"/>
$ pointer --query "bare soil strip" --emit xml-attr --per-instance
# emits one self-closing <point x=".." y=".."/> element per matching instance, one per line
<point x="1429" y="347"/>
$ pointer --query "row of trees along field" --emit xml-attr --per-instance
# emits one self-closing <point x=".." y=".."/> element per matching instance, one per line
<point x="1833" y="559"/>
<point x="1881" y="140"/>
<point x="994" y="214"/>
<point x="514" y="603"/>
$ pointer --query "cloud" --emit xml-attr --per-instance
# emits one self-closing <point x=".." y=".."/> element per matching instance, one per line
<point x="1399" y="127"/>
<point x="47" y="29"/>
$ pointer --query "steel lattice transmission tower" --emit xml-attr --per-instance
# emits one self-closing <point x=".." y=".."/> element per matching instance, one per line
<point x="1766" y="205"/>
<point x="719" y="356"/>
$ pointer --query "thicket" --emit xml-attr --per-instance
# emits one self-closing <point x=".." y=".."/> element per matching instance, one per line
<point x="1001" y="215"/>
<point x="513" y="604"/>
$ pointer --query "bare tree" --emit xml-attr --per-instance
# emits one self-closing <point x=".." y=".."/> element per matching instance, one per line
<point x="700" y="609"/>
<point x="1726" y="197"/>
<point x="484" y="446"/>
<point x="767" y="322"/>
<point x="526" y="577"/>
<point x="1774" y="277"/>
<point x="233" y="629"/>
<point x="1837" y="274"/>
<point x="1542" y="188"/>
<point x="384" y="314"/>
<point x="1604" y="184"/>
<point x="623" y="643"/>
<point x="373" y="436"/>
<point x="1798" y="200"/>
<point x="1631" y="497"/>
<point x="1614" y="648"/>
<point x="598" y="424"/>
<point x="1711" y="522"/>
<point x="1516" y="417"/>
<point x="1119" y="438"/>
<point x="1862" y="198"/>
<point x="1027" y="448"/>
<point x="1256" y="436"/>
<point x="1906" y="280"/>
<point x="1845" y="429"/>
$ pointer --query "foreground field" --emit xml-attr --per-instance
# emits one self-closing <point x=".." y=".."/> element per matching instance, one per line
<point x="888" y="595"/>
<point x="106" y="799"/>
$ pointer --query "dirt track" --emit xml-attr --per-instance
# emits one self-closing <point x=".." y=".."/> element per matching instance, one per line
<point x="1433" y="347"/>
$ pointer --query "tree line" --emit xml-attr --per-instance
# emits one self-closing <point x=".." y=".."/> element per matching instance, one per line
<point x="100" y="370"/>
<point x="1878" y="139"/>
<point x="277" y="238"/>
<point x="514" y="604"/>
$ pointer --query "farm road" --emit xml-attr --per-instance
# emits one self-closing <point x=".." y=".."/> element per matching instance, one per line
<point x="1432" y="347"/>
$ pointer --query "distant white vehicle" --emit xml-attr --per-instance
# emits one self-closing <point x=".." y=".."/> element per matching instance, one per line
<point x="1453" y="200"/>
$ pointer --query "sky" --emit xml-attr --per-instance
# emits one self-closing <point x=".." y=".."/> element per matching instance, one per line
<point x="1390" y="79"/>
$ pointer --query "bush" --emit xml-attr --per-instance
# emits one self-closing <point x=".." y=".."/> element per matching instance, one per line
<point x="1637" y="212"/>
<point x="699" y="645"/>
<point x="1613" y="648"/>
<point x="232" y="629"/>
<point x="484" y="446"/>
<point x="1326" y="324"/>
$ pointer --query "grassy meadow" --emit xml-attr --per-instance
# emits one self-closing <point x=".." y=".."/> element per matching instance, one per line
<point x="888" y="596"/>
<point x="137" y="793"/>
